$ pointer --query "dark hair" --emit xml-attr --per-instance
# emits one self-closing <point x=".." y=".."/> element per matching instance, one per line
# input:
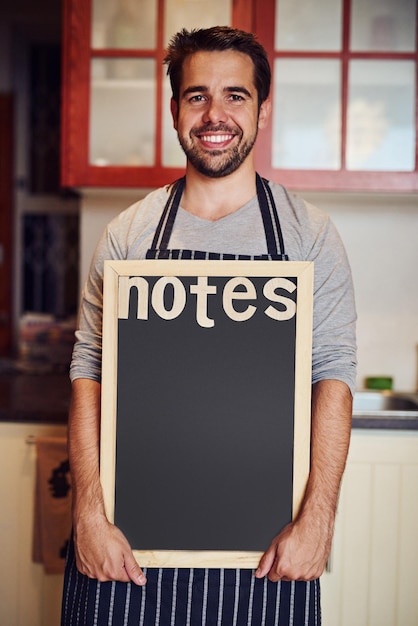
<point x="217" y="38"/>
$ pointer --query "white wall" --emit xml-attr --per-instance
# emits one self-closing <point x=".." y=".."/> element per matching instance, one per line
<point x="380" y="233"/>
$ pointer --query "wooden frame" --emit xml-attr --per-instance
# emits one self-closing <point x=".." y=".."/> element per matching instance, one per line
<point x="118" y="278"/>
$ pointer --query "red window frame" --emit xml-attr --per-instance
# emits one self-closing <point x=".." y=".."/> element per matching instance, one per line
<point x="341" y="179"/>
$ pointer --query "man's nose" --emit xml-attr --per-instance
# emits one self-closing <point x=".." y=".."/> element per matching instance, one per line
<point x="215" y="111"/>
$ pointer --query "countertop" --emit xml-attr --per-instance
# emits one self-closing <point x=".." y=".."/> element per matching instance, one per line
<point x="386" y="422"/>
<point x="39" y="398"/>
<point x="45" y="398"/>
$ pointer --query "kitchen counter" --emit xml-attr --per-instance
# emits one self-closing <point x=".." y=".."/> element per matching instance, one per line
<point x="386" y="422"/>
<point x="45" y="398"/>
<point x="385" y="410"/>
<point x="40" y="398"/>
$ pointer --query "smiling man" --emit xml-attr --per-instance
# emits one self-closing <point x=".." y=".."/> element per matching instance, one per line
<point x="217" y="122"/>
<point x="221" y="208"/>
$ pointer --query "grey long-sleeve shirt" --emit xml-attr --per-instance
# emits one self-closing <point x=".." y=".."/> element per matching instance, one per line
<point x="309" y="235"/>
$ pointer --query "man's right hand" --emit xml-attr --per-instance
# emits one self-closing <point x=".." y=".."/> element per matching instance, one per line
<point x="103" y="552"/>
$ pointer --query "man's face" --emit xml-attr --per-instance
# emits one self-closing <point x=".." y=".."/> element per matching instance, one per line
<point x="217" y="117"/>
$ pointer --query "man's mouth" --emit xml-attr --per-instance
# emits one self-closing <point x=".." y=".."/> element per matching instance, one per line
<point x="216" y="139"/>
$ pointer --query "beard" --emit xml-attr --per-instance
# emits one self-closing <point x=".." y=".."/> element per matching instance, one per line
<point x="217" y="163"/>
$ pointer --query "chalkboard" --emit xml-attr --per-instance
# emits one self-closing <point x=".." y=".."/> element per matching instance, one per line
<point x="205" y="406"/>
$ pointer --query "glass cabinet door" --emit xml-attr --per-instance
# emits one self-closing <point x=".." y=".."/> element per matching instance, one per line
<point x="186" y="14"/>
<point x="126" y="67"/>
<point x="122" y="112"/>
<point x="124" y="24"/>
<point x="344" y="93"/>
<point x="117" y="129"/>
<point x="381" y="116"/>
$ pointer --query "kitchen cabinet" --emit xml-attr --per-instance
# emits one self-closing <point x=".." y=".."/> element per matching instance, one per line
<point x="344" y="91"/>
<point x="116" y="123"/>
<point x="372" y="578"/>
<point x="344" y="94"/>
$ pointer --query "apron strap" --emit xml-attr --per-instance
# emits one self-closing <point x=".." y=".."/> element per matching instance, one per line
<point x="272" y="229"/>
<point x="270" y="217"/>
<point x="165" y="226"/>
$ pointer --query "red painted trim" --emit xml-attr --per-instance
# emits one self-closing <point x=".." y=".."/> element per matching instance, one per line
<point x="160" y="53"/>
<point x="243" y="14"/>
<point x="345" y="47"/>
<point x="126" y="176"/>
<point x="75" y="91"/>
<point x="326" y="180"/>
<point x="113" y="53"/>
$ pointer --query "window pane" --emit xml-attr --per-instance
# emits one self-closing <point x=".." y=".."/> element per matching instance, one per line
<point x="173" y="155"/>
<point x="195" y="14"/>
<point x="383" y="26"/>
<point x="306" y="116"/>
<point x="124" y="24"/>
<point x="380" y="122"/>
<point x="122" y="112"/>
<point x="302" y="25"/>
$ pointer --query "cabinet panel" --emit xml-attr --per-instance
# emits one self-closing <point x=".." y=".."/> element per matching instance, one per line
<point x="384" y="538"/>
<point x="27" y="594"/>
<point x="195" y="14"/>
<point x="122" y="24"/>
<point x="122" y="112"/>
<point x="306" y="137"/>
<point x="301" y="25"/>
<point x="407" y="605"/>
<point x="357" y="530"/>
<point x="381" y="116"/>
<point x="379" y="26"/>
<point x="373" y="579"/>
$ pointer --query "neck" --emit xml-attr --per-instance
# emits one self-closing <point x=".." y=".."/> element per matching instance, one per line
<point x="214" y="198"/>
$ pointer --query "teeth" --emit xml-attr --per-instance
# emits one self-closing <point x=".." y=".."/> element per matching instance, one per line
<point x="216" y="138"/>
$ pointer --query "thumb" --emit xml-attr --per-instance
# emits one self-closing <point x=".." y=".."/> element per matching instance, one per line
<point x="266" y="563"/>
<point x="133" y="570"/>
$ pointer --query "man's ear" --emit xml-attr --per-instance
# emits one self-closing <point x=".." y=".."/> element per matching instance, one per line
<point x="264" y="113"/>
<point x="174" y="112"/>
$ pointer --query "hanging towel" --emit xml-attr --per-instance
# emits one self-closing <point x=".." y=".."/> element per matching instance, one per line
<point x="52" y="517"/>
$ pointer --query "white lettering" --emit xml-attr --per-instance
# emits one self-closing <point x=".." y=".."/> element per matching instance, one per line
<point x="169" y="305"/>
<point x="202" y="290"/>
<point x="179" y="299"/>
<point x="230" y="294"/>
<point x="270" y="293"/>
<point x="125" y="285"/>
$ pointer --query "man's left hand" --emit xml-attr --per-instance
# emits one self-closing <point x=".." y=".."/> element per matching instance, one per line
<point x="299" y="552"/>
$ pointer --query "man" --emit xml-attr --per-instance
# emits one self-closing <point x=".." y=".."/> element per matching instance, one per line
<point x="220" y="79"/>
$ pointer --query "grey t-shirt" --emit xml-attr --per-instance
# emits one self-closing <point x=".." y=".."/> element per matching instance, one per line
<point x="309" y="235"/>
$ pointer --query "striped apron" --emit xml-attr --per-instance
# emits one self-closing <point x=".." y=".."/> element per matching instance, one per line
<point x="194" y="597"/>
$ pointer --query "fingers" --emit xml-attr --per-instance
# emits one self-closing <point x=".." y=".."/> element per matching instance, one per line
<point x="107" y="556"/>
<point x="266" y="563"/>
<point x="134" y="572"/>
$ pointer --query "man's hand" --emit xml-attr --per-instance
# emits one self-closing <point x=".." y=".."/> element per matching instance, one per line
<point x="299" y="552"/>
<point x="103" y="552"/>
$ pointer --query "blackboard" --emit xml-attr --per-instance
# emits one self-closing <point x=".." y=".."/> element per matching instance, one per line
<point x="205" y="406"/>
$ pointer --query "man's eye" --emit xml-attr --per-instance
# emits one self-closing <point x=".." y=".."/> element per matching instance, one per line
<point x="197" y="98"/>
<point x="236" y="97"/>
